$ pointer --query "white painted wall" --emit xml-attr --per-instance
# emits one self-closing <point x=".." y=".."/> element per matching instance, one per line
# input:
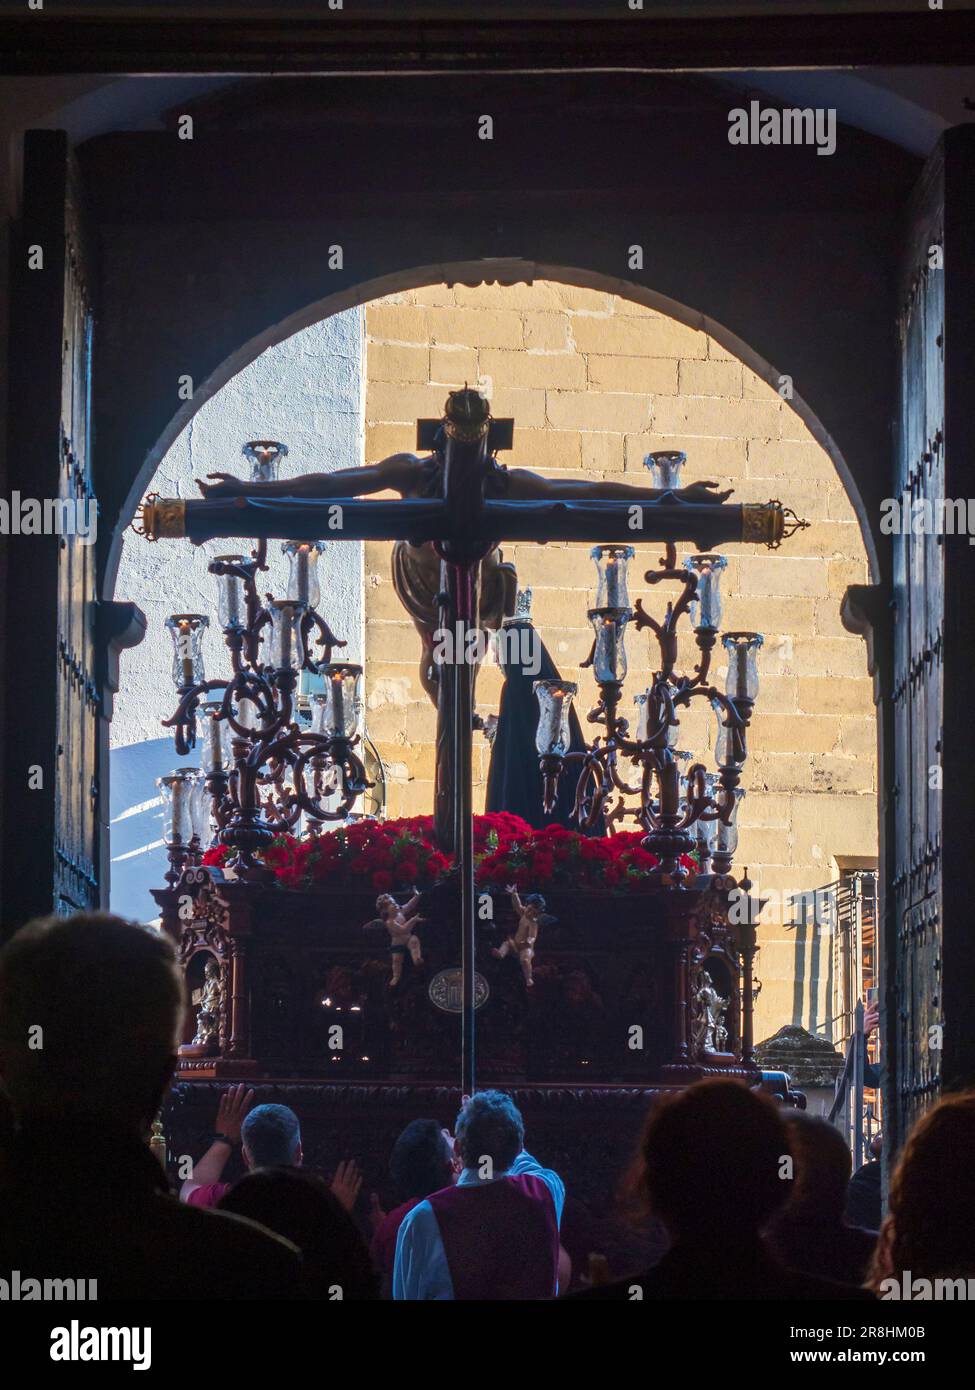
<point x="308" y="393"/>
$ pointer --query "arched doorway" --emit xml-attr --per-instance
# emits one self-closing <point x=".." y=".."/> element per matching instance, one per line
<point x="805" y="820"/>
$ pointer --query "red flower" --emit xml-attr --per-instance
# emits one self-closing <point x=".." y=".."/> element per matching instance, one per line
<point x="437" y="864"/>
<point x="382" y="881"/>
<point x="542" y="867"/>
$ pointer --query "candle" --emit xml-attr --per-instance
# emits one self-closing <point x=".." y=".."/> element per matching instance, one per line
<point x="642" y="703"/>
<point x="214" y="749"/>
<point x="184" y="648"/>
<point x="613" y="599"/>
<point x="230" y="592"/>
<point x="301" y="574"/>
<point x="338" y="705"/>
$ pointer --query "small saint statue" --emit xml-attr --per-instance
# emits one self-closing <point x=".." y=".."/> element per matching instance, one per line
<point x="710" y="1033"/>
<point x="531" y="915"/>
<point x="209" y="1008"/>
<point x="399" y="923"/>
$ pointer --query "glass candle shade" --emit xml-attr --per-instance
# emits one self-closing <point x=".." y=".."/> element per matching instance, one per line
<point x="200" y="810"/>
<point x="705" y="607"/>
<point x="554" y="703"/>
<point x="284" y="643"/>
<point x="335" y="711"/>
<point x="650" y="716"/>
<point x="704" y="830"/>
<point x="303" y="582"/>
<point x="213" y="736"/>
<point x="642" y="702"/>
<point x="742" y="649"/>
<point x="177" y="791"/>
<point x="248" y="715"/>
<point x="611" y="562"/>
<point x="231" y="598"/>
<point x="609" y="652"/>
<point x="264" y="456"/>
<point x="187" y="630"/>
<point x="726" y="836"/>
<point x="728" y="750"/>
<point x="318" y="713"/>
<point x="664" y="468"/>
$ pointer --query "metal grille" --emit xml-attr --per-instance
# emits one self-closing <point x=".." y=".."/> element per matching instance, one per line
<point x="854" y="952"/>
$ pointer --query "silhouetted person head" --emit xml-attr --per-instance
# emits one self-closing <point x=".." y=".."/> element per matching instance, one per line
<point x="421" y="1161"/>
<point x="299" y="1206"/>
<point x="712" y="1161"/>
<point x="810" y="1232"/>
<point x="271" y="1135"/>
<point x="822" y="1166"/>
<point x="90" y="1009"/>
<point x="489" y="1126"/>
<point x="930" y="1225"/>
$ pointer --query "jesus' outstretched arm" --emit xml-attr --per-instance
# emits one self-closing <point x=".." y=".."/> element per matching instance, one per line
<point x="407" y="474"/>
<point x="523" y="485"/>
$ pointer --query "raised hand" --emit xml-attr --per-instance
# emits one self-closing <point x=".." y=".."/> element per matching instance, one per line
<point x="346" y="1183"/>
<point x="233" y="1107"/>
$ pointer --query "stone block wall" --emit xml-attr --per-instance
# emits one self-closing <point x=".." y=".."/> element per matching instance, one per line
<point x="595" y="382"/>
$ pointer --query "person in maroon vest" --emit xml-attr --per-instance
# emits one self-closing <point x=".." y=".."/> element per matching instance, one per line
<point x="495" y="1233"/>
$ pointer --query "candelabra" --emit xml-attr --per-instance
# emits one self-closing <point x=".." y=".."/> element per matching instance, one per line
<point x="261" y="769"/>
<point x="680" y="812"/>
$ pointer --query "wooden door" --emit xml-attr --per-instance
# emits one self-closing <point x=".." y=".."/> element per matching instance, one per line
<point x="929" y="977"/>
<point x="51" y="786"/>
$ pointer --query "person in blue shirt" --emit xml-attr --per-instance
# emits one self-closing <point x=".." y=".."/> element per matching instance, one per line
<point x="495" y="1233"/>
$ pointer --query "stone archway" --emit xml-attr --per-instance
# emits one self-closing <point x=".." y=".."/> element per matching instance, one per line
<point x="506" y="271"/>
<point x="780" y="830"/>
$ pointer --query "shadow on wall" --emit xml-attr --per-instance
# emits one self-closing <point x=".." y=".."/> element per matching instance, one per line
<point x="139" y="860"/>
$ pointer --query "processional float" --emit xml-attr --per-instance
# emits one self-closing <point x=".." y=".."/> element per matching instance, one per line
<point x="263" y="771"/>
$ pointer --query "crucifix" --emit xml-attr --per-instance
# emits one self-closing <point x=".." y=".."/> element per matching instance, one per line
<point x="457" y="502"/>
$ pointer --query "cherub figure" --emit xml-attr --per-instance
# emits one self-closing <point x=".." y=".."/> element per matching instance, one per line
<point x="531" y="916"/>
<point x="399" y="922"/>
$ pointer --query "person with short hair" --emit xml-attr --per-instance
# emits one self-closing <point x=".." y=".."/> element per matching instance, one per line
<point x="422" y="1162"/>
<point x="495" y="1233"/>
<point x="90" y="1011"/>
<point x="810" y="1232"/>
<point x="269" y="1136"/>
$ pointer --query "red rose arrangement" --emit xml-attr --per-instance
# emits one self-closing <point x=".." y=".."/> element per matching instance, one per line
<point x="555" y="857"/>
<point x="386" y="856"/>
<point x="380" y="856"/>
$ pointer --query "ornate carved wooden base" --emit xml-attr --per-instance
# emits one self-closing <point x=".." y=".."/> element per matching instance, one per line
<point x="628" y="989"/>
<point x="219" y="1068"/>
